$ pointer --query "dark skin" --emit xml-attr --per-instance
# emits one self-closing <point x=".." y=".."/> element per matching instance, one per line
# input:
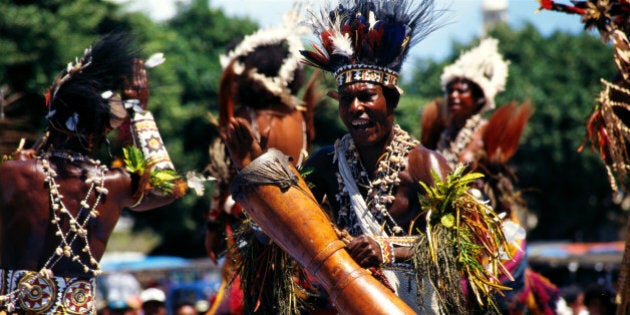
<point x="369" y="117"/>
<point x="462" y="103"/>
<point x="26" y="234"/>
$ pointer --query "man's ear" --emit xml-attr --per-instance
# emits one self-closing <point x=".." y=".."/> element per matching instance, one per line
<point x="333" y="94"/>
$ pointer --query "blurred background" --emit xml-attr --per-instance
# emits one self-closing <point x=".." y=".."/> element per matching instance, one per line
<point x="576" y="229"/>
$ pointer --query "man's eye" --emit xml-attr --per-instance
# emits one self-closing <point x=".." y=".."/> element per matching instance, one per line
<point x="346" y="98"/>
<point x="366" y="97"/>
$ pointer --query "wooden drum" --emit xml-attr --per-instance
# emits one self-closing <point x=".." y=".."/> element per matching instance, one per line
<point x="278" y="200"/>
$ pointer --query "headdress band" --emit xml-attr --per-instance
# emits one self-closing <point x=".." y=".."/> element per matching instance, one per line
<point x="366" y="73"/>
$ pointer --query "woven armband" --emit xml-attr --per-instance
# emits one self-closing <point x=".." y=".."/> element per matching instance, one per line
<point x="387" y="251"/>
<point x="147" y="138"/>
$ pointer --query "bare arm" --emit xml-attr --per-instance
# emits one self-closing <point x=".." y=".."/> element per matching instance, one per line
<point x="147" y="197"/>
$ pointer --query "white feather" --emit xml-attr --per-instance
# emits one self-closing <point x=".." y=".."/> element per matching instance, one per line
<point x="155" y="60"/>
<point x="342" y="44"/>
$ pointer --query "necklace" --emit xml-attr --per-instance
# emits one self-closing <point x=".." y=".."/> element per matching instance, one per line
<point x="452" y="150"/>
<point x="76" y="224"/>
<point x="380" y="190"/>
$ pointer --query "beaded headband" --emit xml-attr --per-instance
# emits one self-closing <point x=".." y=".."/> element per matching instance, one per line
<point x="366" y="73"/>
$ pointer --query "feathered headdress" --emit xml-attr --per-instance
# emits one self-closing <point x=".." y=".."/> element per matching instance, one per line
<point x="82" y="99"/>
<point x="286" y="34"/>
<point x="605" y="15"/>
<point x="368" y="40"/>
<point x="483" y="65"/>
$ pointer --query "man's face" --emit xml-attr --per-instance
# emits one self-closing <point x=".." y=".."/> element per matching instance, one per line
<point x="461" y="102"/>
<point x="363" y="109"/>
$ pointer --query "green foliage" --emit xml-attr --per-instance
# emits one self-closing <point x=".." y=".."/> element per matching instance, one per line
<point x="134" y="160"/>
<point x="560" y="73"/>
<point x="460" y="226"/>
<point x="408" y="112"/>
<point x="162" y="180"/>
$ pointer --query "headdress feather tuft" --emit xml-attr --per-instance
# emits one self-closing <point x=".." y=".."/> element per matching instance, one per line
<point x="370" y="35"/>
<point x="78" y="99"/>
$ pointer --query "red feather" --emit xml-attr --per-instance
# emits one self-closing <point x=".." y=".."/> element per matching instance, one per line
<point x="226" y="102"/>
<point x="504" y="129"/>
<point x="312" y="96"/>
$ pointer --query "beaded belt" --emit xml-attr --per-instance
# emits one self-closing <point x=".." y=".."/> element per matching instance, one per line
<point x="24" y="290"/>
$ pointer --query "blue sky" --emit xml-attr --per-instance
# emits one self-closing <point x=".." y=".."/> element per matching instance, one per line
<point x="464" y="17"/>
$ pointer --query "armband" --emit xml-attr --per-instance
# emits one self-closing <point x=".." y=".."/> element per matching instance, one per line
<point x="147" y="138"/>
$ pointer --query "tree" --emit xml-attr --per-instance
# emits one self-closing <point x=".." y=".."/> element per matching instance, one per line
<point x="560" y="74"/>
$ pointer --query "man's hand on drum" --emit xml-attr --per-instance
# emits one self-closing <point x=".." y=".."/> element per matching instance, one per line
<point x="365" y="251"/>
<point x="240" y="141"/>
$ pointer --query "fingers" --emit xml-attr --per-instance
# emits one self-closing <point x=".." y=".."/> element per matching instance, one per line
<point x="139" y="75"/>
<point x="365" y="251"/>
<point x="239" y="139"/>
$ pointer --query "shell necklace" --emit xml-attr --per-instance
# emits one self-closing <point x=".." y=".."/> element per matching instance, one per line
<point x="452" y="150"/>
<point x="77" y="224"/>
<point x="380" y="191"/>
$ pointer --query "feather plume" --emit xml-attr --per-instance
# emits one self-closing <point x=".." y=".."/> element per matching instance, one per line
<point x="380" y="32"/>
<point x="226" y="100"/>
<point x="312" y="96"/>
<point x="504" y="129"/>
<point x="77" y="91"/>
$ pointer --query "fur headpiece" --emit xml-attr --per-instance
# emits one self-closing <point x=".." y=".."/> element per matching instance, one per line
<point x="483" y="65"/>
<point x="288" y="33"/>
<point x="368" y="40"/>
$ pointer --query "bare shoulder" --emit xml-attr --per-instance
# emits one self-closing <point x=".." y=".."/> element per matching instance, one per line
<point x="422" y="161"/>
<point x="12" y="170"/>
<point x="18" y="178"/>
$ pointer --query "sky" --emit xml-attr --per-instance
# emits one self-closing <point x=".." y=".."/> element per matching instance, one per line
<point x="464" y="19"/>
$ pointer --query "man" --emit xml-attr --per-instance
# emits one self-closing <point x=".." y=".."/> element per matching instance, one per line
<point x="261" y="81"/>
<point x="58" y="205"/>
<point x="460" y="132"/>
<point x="381" y="152"/>
<point x="153" y="301"/>
<point x="372" y="180"/>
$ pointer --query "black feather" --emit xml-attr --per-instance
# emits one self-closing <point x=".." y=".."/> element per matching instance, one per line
<point x="78" y="91"/>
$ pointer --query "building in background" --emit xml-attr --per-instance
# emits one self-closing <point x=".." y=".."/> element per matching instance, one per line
<point x="494" y="12"/>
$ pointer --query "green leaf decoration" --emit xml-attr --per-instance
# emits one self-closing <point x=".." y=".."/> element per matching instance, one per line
<point x="134" y="160"/>
<point x="448" y="220"/>
<point x="162" y="180"/>
<point x="463" y="238"/>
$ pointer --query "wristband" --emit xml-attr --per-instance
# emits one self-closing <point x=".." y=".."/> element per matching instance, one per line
<point x="387" y="252"/>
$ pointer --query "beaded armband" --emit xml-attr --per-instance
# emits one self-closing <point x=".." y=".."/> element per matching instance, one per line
<point x="147" y="137"/>
<point x="149" y="155"/>
<point x="387" y="252"/>
<point x="388" y="245"/>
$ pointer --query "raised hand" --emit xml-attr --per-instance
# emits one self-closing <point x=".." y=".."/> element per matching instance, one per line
<point x="240" y="141"/>
<point x="138" y="88"/>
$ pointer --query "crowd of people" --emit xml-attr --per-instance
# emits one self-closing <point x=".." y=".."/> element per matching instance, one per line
<point x="421" y="227"/>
